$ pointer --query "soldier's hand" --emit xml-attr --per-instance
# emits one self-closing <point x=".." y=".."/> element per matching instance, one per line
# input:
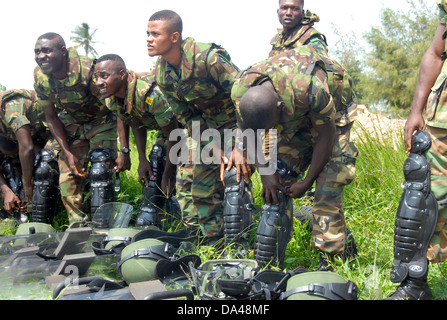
<point x="123" y="162"/>
<point x="11" y="202"/>
<point x="414" y="123"/>
<point x="270" y="185"/>
<point x="76" y="166"/>
<point x="297" y="190"/>
<point x="239" y="160"/>
<point x="144" y="171"/>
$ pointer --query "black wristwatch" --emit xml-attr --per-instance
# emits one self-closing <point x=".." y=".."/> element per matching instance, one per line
<point x="125" y="150"/>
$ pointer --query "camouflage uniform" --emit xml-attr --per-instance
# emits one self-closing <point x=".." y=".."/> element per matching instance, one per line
<point x="328" y="224"/>
<point x="145" y="102"/>
<point x="436" y="126"/>
<point x="17" y="110"/>
<point x="305" y="92"/>
<point x="200" y="92"/>
<point x="87" y="121"/>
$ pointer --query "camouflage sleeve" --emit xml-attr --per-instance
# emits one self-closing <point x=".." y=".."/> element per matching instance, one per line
<point x="442" y="5"/>
<point x="222" y="69"/>
<point x="321" y="104"/>
<point x="159" y="107"/>
<point x="42" y="93"/>
<point x="14" y="114"/>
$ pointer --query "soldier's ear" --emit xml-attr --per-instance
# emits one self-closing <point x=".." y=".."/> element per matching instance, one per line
<point x="175" y="37"/>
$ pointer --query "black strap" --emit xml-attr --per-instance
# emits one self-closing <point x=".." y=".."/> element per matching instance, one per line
<point x="329" y="291"/>
<point x="163" y="251"/>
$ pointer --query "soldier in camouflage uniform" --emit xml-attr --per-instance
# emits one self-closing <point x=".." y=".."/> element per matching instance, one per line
<point x="431" y="94"/>
<point x="329" y="228"/>
<point x="196" y="79"/>
<point x="138" y="103"/>
<point x="289" y="92"/>
<point x="23" y="123"/>
<point x="76" y="117"/>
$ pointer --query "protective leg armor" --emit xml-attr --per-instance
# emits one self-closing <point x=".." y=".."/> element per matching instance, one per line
<point x="417" y="215"/>
<point x="274" y="229"/>
<point x="238" y="209"/>
<point x="46" y="187"/>
<point x="13" y="176"/>
<point x="153" y="199"/>
<point x="102" y="163"/>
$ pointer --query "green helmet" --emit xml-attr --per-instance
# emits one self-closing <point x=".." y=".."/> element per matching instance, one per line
<point x="138" y="259"/>
<point x="34" y="227"/>
<point x="119" y="235"/>
<point x="319" y="285"/>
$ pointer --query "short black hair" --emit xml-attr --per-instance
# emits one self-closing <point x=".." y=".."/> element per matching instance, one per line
<point x="171" y="16"/>
<point x="52" y="36"/>
<point x="112" y="57"/>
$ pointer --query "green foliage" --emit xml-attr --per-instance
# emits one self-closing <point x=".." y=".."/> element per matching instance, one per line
<point x="397" y="48"/>
<point x="84" y="38"/>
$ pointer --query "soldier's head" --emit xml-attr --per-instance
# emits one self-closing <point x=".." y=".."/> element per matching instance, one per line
<point x="110" y="76"/>
<point x="260" y="108"/>
<point x="290" y="13"/>
<point x="164" y="32"/>
<point x="51" y="55"/>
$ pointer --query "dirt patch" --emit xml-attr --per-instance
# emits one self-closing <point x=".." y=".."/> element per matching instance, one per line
<point x="377" y="125"/>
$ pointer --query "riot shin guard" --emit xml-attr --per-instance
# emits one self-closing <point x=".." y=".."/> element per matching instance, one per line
<point x="46" y="190"/>
<point x="273" y="233"/>
<point x="416" y="216"/>
<point x="102" y="163"/>
<point x="153" y="199"/>
<point x="238" y="209"/>
<point x="13" y="177"/>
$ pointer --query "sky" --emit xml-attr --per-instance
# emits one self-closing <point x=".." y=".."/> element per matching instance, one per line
<point x="243" y="27"/>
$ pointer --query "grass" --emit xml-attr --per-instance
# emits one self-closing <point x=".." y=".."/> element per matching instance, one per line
<point x="371" y="202"/>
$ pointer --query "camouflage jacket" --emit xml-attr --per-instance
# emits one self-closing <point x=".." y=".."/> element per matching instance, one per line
<point x="303" y="34"/>
<point x="339" y="81"/>
<point x="436" y="111"/>
<point x="76" y="95"/>
<point x="299" y="77"/>
<point x="144" y="101"/>
<point x="17" y="110"/>
<point x="201" y="89"/>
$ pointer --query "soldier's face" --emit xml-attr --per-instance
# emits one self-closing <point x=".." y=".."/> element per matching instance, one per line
<point x="290" y="13"/>
<point x="160" y="39"/>
<point x="50" y="56"/>
<point x="110" y="79"/>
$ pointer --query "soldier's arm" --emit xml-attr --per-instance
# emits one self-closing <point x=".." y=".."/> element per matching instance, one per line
<point x="57" y="130"/>
<point x="10" y="199"/>
<point x="123" y="161"/>
<point x="26" y="156"/>
<point x="430" y="69"/>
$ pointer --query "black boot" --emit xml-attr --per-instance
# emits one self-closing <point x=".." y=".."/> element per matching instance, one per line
<point x="412" y="289"/>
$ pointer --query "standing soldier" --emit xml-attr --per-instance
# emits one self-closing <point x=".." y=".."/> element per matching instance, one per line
<point x="76" y="117"/>
<point x="420" y="234"/>
<point x="196" y="79"/>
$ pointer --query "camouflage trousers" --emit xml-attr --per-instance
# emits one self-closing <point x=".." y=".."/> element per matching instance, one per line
<point x="328" y="225"/>
<point x="437" y="157"/>
<point x="200" y="193"/>
<point x="82" y="139"/>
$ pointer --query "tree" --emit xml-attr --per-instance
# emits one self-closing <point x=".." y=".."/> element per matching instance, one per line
<point x="397" y="48"/>
<point x="84" y="39"/>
